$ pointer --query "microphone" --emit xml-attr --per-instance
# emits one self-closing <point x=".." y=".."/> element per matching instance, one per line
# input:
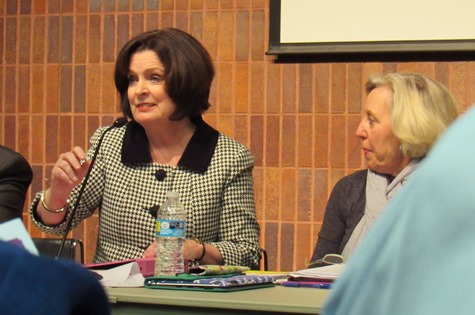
<point x="160" y="175"/>
<point x="119" y="122"/>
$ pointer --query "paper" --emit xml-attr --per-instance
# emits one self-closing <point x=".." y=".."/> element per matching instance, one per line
<point x="127" y="275"/>
<point x="13" y="231"/>
<point x="330" y="272"/>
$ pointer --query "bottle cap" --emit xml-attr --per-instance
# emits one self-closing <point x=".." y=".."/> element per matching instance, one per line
<point x="173" y="194"/>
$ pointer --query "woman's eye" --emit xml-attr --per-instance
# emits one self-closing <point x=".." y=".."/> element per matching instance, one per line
<point x="371" y="120"/>
<point x="131" y="79"/>
<point x="156" y="78"/>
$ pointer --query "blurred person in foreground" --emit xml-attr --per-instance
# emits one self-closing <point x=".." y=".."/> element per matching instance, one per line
<point x="164" y="79"/>
<point x="404" y="115"/>
<point x="418" y="257"/>
<point x="15" y="179"/>
<point x="40" y="285"/>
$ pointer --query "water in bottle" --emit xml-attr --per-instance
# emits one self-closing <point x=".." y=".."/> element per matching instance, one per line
<point x="170" y="236"/>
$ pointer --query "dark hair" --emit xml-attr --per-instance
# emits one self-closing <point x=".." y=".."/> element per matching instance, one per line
<point x="188" y="70"/>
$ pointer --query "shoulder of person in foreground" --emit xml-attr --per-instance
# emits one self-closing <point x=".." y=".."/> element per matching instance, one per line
<point x="13" y="165"/>
<point x="15" y="179"/>
<point x="40" y="285"/>
<point x="416" y="259"/>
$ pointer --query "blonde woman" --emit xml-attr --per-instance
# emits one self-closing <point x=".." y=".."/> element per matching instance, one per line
<point x="404" y="114"/>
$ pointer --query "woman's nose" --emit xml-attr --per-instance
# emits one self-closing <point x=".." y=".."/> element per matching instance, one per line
<point x="360" y="131"/>
<point x="141" y="88"/>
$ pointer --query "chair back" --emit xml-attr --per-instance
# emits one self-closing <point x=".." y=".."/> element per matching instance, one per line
<point x="73" y="248"/>
<point x="263" y="258"/>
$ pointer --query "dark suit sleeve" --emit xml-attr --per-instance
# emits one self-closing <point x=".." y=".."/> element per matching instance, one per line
<point x="15" y="178"/>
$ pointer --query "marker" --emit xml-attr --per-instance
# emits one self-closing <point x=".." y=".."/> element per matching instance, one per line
<point x="297" y="284"/>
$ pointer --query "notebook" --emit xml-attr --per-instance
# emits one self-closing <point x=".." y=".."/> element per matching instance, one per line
<point x="222" y="283"/>
<point x="146" y="265"/>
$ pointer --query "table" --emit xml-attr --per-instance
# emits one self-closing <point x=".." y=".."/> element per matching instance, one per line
<point x="272" y="300"/>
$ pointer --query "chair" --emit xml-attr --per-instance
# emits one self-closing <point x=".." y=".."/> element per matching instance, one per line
<point x="73" y="248"/>
<point x="263" y="258"/>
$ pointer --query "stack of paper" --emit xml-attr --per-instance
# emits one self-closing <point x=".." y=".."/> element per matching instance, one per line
<point x="330" y="272"/>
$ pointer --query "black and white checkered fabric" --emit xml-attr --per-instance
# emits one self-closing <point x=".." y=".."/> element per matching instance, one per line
<point x="219" y="202"/>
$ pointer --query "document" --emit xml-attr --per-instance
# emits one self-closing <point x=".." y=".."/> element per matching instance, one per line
<point x="126" y="275"/>
<point x="330" y="272"/>
<point x="14" y="231"/>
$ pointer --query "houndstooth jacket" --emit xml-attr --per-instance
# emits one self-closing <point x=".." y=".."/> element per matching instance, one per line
<point x="213" y="178"/>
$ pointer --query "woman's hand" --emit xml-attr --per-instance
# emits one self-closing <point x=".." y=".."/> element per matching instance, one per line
<point x="151" y="251"/>
<point x="67" y="172"/>
<point x="191" y="250"/>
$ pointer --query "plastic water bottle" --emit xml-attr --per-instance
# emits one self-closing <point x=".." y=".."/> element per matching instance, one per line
<point x="170" y="236"/>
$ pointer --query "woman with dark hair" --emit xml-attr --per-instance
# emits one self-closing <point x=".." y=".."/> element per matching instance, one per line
<point x="164" y="79"/>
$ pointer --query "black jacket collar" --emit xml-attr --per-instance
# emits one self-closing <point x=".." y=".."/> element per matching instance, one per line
<point x="197" y="155"/>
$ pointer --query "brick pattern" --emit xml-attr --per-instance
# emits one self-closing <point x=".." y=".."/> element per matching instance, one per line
<point x="56" y="88"/>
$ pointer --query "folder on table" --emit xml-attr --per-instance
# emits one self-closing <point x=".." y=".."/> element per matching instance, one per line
<point x="213" y="283"/>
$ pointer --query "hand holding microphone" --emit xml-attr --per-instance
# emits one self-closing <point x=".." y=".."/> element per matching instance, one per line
<point x="66" y="174"/>
<point x="70" y="170"/>
<point x="88" y="166"/>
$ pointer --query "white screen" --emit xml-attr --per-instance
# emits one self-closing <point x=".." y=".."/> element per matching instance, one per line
<point x="333" y="21"/>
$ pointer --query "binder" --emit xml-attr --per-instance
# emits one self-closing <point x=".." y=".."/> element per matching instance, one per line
<point x="211" y="283"/>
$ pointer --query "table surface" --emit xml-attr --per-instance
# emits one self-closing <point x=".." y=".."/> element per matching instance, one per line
<point x="276" y="299"/>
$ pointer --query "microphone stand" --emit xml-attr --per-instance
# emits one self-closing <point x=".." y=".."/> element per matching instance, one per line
<point x="117" y="123"/>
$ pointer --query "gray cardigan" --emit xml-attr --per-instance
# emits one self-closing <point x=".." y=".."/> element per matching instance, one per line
<point x="344" y="210"/>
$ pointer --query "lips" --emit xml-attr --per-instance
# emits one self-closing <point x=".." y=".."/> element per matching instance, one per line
<point x="145" y="105"/>
<point x="366" y="151"/>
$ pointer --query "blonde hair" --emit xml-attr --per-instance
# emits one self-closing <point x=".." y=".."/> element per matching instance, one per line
<point x="421" y="110"/>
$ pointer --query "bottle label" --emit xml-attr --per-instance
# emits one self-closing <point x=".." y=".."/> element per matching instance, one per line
<point x="171" y="228"/>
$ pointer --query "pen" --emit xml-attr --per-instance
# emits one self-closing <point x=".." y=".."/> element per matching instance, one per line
<point x="296" y="284"/>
